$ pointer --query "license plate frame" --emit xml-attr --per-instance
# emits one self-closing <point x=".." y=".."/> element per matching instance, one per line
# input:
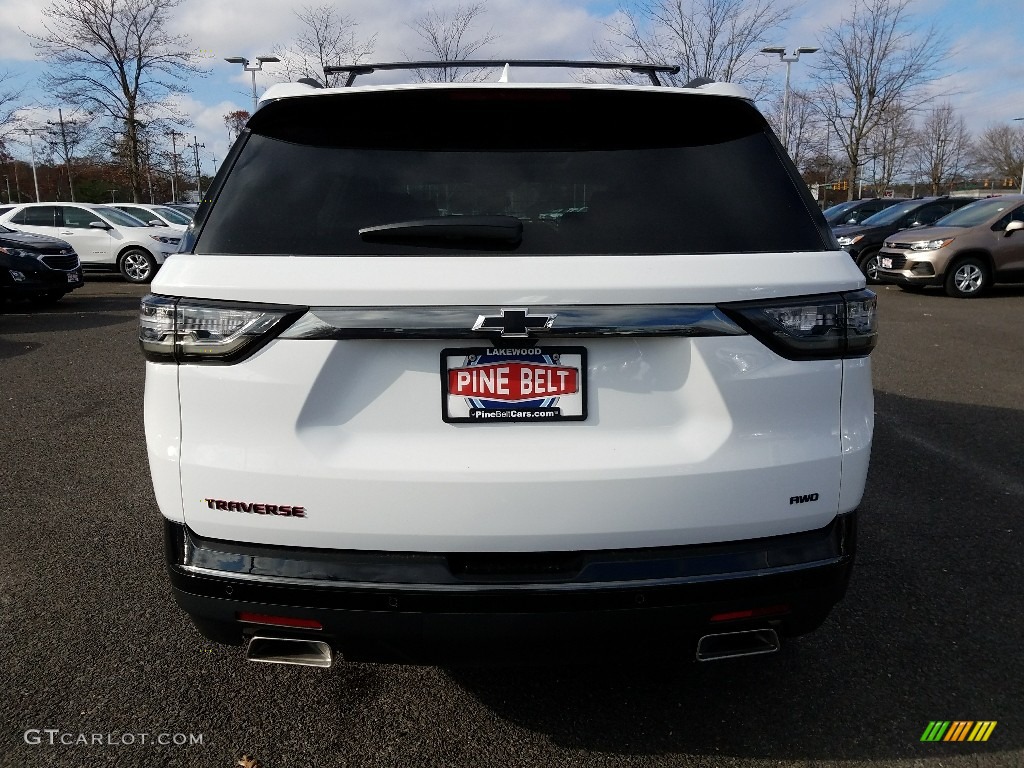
<point x="544" y="371"/>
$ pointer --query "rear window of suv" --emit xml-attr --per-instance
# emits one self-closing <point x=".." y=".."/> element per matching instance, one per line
<point x="585" y="171"/>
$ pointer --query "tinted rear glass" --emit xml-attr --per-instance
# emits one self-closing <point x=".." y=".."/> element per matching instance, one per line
<point x="177" y="217"/>
<point x="680" y="175"/>
<point x="977" y="213"/>
<point x="120" y="217"/>
<point x="892" y="214"/>
<point x="837" y="214"/>
<point x="38" y="216"/>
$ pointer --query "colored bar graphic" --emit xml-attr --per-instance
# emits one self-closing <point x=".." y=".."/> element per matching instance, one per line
<point x="958" y="730"/>
<point x="935" y="731"/>
<point x="982" y="730"/>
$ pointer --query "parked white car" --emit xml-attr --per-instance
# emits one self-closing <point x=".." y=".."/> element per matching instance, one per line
<point x="104" y="238"/>
<point x="156" y="215"/>
<point x="525" y="378"/>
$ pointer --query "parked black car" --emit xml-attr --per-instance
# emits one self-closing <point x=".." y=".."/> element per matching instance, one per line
<point x="863" y="241"/>
<point x="37" y="267"/>
<point x="855" y="211"/>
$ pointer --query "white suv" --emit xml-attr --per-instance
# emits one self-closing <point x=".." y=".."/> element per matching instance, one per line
<point x="515" y="374"/>
<point x="104" y="237"/>
<point x="156" y="215"/>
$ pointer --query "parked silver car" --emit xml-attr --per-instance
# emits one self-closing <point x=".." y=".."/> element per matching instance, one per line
<point x="965" y="251"/>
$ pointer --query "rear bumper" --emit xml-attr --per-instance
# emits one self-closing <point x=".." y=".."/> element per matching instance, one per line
<point x="429" y="608"/>
<point x="904" y="277"/>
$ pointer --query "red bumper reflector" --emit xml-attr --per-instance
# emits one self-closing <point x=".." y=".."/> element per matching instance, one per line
<point x="753" y="613"/>
<point x="280" y="621"/>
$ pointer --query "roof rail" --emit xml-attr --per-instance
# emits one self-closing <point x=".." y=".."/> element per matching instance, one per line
<point x="651" y="70"/>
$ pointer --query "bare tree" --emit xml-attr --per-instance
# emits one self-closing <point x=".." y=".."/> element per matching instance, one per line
<point x="714" y="39"/>
<point x="999" y="151"/>
<point x="942" y="148"/>
<point x="10" y="103"/>
<point x="64" y="137"/>
<point x="235" y="123"/>
<point x="445" y="36"/>
<point x="890" y="146"/>
<point x="116" y="58"/>
<point x="805" y="129"/>
<point x="874" y="59"/>
<point x="328" y="38"/>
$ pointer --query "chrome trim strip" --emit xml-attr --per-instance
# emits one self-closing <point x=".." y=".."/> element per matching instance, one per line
<point x="574" y="586"/>
<point x="575" y="321"/>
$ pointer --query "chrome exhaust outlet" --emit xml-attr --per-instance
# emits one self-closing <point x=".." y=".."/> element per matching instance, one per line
<point x="289" y="650"/>
<point x="730" y="645"/>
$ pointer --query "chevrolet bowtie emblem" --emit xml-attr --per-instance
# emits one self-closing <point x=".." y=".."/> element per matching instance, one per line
<point x="514" y="323"/>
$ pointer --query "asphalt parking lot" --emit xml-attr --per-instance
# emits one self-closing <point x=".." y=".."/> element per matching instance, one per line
<point x="94" y="650"/>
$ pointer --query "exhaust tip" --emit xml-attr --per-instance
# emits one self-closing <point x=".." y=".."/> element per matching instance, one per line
<point x="289" y="650"/>
<point x="731" y="645"/>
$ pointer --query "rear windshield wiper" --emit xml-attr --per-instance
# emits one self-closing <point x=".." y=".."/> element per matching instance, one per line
<point x="493" y="232"/>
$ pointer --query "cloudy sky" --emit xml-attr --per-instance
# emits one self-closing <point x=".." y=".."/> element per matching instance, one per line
<point x="985" y="79"/>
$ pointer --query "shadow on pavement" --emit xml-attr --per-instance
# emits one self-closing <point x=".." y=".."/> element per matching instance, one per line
<point x="72" y="313"/>
<point x="930" y="629"/>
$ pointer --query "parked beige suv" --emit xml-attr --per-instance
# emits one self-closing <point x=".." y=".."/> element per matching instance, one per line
<point x="965" y="251"/>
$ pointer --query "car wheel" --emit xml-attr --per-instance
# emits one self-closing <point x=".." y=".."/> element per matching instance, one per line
<point x="967" y="278"/>
<point x="137" y="266"/>
<point x="869" y="266"/>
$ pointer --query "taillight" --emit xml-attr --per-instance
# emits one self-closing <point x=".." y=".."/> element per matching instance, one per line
<point x="838" y="325"/>
<point x="751" y="613"/>
<point x="196" y="331"/>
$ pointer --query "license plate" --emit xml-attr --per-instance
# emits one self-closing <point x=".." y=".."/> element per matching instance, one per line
<point x="885" y="262"/>
<point x="73" y="277"/>
<point x="489" y="385"/>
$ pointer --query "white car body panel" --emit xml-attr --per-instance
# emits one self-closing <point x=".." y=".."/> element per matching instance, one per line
<point x="163" y="438"/>
<point x="676" y="449"/>
<point x="417" y="281"/>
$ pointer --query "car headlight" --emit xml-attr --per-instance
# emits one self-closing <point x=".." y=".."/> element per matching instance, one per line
<point x="930" y="245"/>
<point x="167" y="240"/>
<point x="17" y="252"/>
<point x="845" y="241"/>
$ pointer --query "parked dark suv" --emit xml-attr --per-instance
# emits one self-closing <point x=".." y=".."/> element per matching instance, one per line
<point x="855" y="211"/>
<point x="863" y="241"/>
<point x="36" y="267"/>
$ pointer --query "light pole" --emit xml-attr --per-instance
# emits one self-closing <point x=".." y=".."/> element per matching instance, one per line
<point x="1022" y="166"/>
<point x="174" y="162"/>
<point x="254" y="68"/>
<point x="199" y="183"/>
<point x="67" y="149"/>
<point x="789" y="59"/>
<point x="32" y="152"/>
